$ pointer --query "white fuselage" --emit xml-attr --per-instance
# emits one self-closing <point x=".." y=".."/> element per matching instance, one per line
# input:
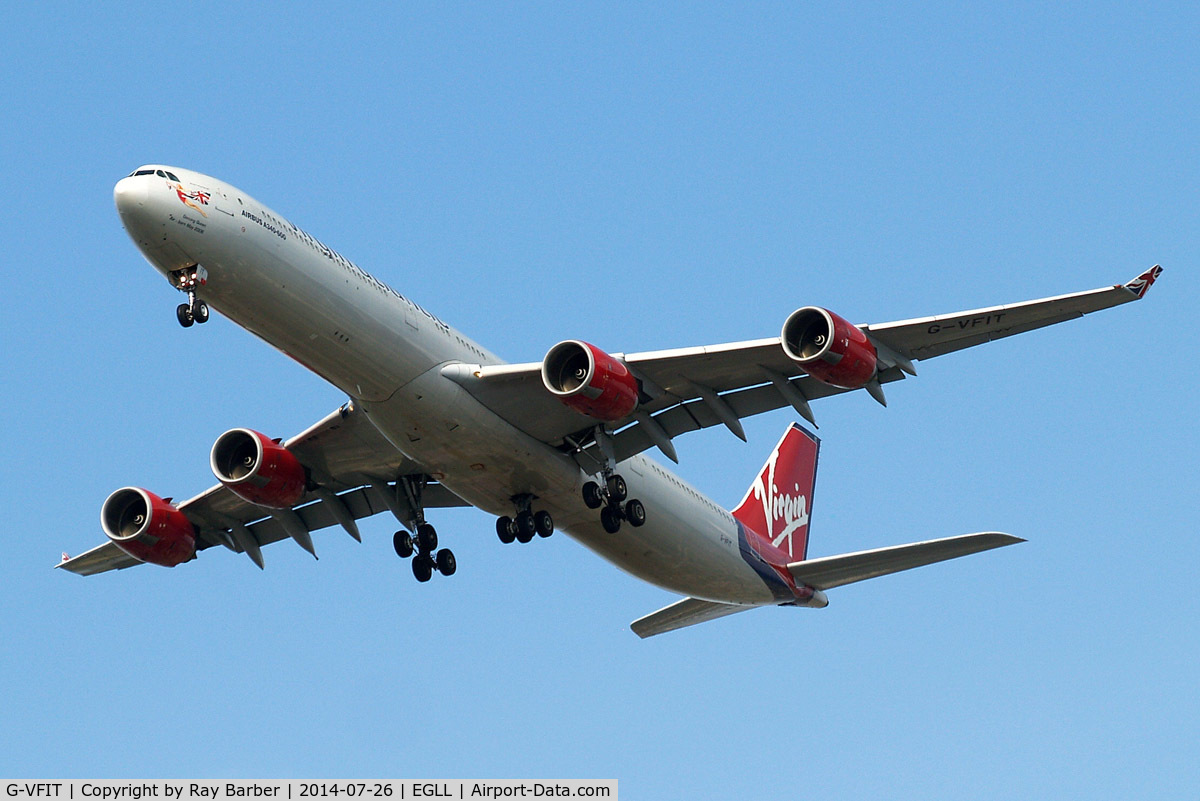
<point x="387" y="353"/>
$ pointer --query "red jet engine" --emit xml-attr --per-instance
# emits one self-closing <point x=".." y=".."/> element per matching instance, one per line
<point x="258" y="469"/>
<point x="148" y="528"/>
<point x="829" y="349"/>
<point x="590" y="381"/>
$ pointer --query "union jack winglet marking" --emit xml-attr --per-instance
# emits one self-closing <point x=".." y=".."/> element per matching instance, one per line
<point x="1140" y="285"/>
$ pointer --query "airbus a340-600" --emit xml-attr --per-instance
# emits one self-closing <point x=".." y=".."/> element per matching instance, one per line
<point x="436" y="420"/>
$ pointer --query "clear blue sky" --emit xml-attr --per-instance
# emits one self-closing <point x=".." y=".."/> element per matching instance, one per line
<point x="641" y="178"/>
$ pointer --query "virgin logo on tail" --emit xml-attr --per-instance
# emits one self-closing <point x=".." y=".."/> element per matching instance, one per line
<point x="779" y="502"/>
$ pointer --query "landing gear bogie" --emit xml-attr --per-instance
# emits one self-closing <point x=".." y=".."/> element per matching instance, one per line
<point x="527" y="524"/>
<point x="423" y="548"/>
<point x="610" y="498"/>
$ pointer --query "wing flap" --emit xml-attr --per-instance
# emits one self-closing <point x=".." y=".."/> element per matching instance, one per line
<point x="681" y="614"/>
<point x="696" y="414"/>
<point x="362" y="502"/>
<point x="834" y="571"/>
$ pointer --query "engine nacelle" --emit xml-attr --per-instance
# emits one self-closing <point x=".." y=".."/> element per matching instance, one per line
<point x="590" y="381"/>
<point x="148" y="528"/>
<point x="829" y="349"/>
<point x="258" y="469"/>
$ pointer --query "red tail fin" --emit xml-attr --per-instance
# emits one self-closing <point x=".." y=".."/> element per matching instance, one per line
<point x="779" y="502"/>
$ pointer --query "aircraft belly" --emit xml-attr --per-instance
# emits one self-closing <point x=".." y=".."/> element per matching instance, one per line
<point x="351" y="338"/>
<point x="685" y="546"/>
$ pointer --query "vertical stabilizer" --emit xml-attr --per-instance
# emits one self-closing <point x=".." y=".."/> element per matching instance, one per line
<point x="779" y="503"/>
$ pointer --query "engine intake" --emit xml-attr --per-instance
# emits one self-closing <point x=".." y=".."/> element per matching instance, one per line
<point x="590" y="381"/>
<point x="148" y="528"/>
<point x="258" y="469"/>
<point x="829" y="349"/>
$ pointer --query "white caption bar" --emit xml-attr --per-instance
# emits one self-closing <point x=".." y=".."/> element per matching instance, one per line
<point x="383" y="790"/>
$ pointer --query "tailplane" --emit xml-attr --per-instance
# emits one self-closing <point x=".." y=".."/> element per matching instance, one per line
<point x="779" y="502"/>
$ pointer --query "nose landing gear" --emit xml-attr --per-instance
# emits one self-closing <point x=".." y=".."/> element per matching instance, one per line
<point x="186" y="280"/>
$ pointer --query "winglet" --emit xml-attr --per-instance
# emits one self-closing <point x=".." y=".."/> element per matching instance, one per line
<point x="1141" y="285"/>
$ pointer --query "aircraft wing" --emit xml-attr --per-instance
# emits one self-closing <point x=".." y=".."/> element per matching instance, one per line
<point x="691" y="388"/>
<point x="833" y="571"/>
<point x="356" y="467"/>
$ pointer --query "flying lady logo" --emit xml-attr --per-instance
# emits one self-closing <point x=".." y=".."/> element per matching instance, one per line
<point x="187" y="198"/>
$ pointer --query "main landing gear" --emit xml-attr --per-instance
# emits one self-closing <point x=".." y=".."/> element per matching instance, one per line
<point x="186" y="280"/>
<point x="526" y="524"/>
<point x="426" y="558"/>
<point x="609" y="498"/>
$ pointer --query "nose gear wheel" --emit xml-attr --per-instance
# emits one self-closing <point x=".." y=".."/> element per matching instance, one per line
<point x="187" y="280"/>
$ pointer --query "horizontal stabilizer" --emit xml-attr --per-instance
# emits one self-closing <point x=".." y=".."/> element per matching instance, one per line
<point x="834" y="571"/>
<point x="681" y="614"/>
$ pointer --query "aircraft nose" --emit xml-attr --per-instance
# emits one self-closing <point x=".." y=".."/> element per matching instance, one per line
<point x="130" y="195"/>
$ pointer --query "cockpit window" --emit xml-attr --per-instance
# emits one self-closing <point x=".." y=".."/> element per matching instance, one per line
<point x="159" y="172"/>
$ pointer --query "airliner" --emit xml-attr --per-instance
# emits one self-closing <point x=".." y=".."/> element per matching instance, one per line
<point x="434" y="420"/>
